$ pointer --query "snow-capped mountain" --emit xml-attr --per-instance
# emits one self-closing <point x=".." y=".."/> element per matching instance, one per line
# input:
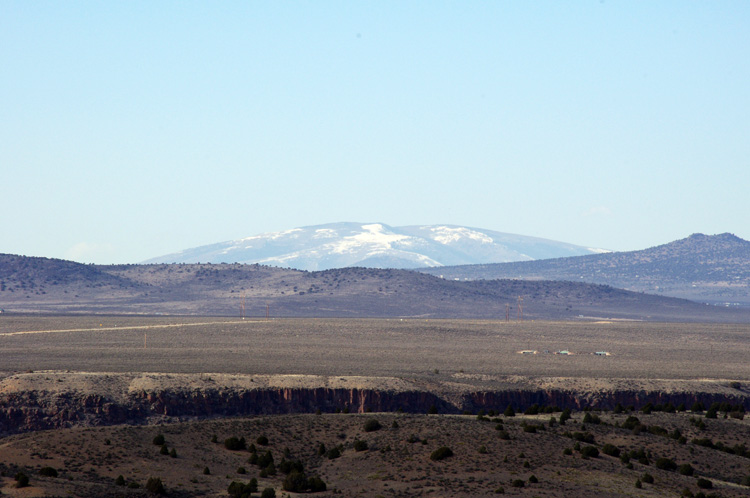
<point x="375" y="245"/>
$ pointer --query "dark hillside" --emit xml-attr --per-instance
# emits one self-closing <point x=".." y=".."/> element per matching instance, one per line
<point x="25" y="276"/>
<point x="54" y="286"/>
<point x="713" y="269"/>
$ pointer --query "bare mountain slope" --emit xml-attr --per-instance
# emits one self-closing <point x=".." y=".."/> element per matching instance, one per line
<point x="706" y="268"/>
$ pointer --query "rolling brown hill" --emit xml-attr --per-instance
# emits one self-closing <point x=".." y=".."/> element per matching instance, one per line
<point x="711" y="269"/>
<point x="57" y="286"/>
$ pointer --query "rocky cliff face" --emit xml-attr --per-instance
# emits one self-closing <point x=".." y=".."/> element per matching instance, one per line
<point x="268" y="401"/>
<point x="602" y="400"/>
<point x="33" y="404"/>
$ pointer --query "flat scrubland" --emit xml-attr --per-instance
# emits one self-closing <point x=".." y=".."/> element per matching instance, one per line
<point x="378" y="347"/>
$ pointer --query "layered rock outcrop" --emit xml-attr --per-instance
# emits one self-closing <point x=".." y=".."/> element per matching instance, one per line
<point x="51" y="400"/>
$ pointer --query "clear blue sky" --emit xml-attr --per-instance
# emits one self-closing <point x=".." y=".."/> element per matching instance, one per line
<point x="129" y="130"/>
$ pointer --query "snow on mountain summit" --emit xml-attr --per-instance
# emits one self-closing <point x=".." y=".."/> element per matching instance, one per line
<point x="377" y="245"/>
<point x="448" y="235"/>
<point x="373" y="237"/>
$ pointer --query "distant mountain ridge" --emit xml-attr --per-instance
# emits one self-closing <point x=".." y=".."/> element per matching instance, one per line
<point x="53" y="286"/>
<point x="376" y="245"/>
<point x="706" y="268"/>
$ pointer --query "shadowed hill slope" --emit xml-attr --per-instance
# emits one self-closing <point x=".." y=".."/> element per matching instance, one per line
<point x="55" y="286"/>
<point x="706" y="268"/>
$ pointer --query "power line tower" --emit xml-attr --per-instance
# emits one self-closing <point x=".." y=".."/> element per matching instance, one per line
<point x="242" y="306"/>
<point x="519" y="315"/>
<point x="507" y="312"/>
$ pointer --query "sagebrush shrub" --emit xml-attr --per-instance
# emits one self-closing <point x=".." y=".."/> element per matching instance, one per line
<point x="234" y="444"/>
<point x="372" y="425"/>
<point x="441" y="453"/>
<point x="589" y="452"/>
<point x="360" y="445"/>
<point x="48" y="472"/>
<point x="154" y="485"/>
